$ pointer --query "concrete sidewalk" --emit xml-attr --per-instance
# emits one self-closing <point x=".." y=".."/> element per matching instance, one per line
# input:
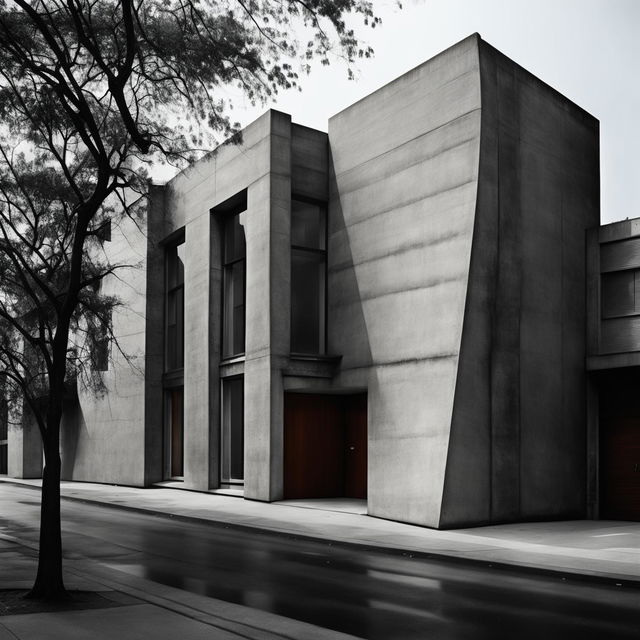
<point x="597" y="549"/>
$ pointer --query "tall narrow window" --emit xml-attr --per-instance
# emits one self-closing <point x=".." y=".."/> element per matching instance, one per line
<point x="176" y="432"/>
<point x="232" y="444"/>
<point x="233" y="319"/>
<point x="4" y="428"/>
<point x="174" y="353"/>
<point x="100" y="347"/>
<point x="174" y="361"/>
<point x="308" y="276"/>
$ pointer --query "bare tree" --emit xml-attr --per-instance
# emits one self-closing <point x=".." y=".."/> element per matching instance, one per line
<point x="92" y="93"/>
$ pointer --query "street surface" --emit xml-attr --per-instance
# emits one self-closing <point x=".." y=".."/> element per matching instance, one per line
<point x="369" y="594"/>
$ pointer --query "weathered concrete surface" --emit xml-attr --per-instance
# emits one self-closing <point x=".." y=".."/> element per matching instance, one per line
<point x="518" y="436"/>
<point x="24" y="443"/>
<point x="103" y="436"/>
<point x="405" y="162"/>
<point x="274" y="159"/>
<point x="190" y="198"/>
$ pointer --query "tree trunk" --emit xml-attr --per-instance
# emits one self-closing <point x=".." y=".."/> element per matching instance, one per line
<point x="49" y="584"/>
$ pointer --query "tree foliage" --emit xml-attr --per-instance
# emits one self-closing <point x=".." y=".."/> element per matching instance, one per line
<point x="92" y="93"/>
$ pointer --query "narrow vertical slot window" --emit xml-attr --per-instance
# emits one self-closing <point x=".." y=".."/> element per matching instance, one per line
<point x="233" y="305"/>
<point x="174" y="310"/>
<point x="308" y="277"/>
<point x="232" y="445"/>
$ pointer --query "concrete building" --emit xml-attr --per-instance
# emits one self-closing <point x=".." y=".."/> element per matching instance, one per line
<point x="394" y="310"/>
<point x="613" y="363"/>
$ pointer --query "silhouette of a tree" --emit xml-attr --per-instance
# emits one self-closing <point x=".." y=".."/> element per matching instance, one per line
<point x="92" y="93"/>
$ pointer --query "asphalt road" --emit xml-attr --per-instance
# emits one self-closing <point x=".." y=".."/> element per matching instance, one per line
<point x="369" y="594"/>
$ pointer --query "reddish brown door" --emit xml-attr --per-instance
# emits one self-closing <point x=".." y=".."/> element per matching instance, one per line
<point x="325" y="446"/>
<point x="355" y="414"/>
<point x="620" y="468"/>
<point x="313" y="443"/>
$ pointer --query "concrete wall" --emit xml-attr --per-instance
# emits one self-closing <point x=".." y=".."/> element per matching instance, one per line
<point x="274" y="159"/>
<point x="103" y="436"/>
<point x="403" y="198"/>
<point x="24" y="443"/>
<point x="614" y="334"/>
<point x="119" y="436"/>
<point x="189" y="200"/>
<point x="518" y="437"/>
<point x="613" y="339"/>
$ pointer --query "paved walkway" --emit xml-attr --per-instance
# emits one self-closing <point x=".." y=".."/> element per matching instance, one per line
<point x="598" y="549"/>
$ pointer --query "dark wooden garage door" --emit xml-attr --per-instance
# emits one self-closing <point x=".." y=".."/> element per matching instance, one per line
<point x="325" y="446"/>
<point x="620" y="468"/>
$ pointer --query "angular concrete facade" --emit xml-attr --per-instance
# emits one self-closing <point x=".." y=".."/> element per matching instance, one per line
<point x="452" y="289"/>
<point x="459" y="240"/>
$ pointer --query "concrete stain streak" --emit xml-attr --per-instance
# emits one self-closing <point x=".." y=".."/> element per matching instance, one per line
<point x="410" y="201"/>
<point x="402" y="248"/>
<point x="418" y="159"/>
<point x="405" y="361"/>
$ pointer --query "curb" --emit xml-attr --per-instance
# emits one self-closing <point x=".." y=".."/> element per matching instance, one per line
<point x="434" y="556"/>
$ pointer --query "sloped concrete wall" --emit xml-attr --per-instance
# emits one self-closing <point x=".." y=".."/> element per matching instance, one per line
<point x="403" y="199"/>
<point x="518" y="438"/>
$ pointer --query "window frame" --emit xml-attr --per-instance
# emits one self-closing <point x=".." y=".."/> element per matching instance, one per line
<point x="606" y="281"/>
<point x="230" y="481"/>
<point x="172" y="245"/>
<point x="229" y="264"/>
<point x="324" y="253"/>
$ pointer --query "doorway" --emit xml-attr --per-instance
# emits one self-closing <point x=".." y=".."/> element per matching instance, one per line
<point x="325" y="446"/>
<point x="175" y="428"/>
<point x="620" y="444"/>
<point x="620" y="468"/>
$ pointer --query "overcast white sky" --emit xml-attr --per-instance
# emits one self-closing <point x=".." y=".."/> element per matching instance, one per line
<point x="587" y="49"/>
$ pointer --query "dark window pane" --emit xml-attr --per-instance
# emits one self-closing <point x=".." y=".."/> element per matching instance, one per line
<point x="233" y="320"/>
<point x="3" y="458"/>
<point x="172" y="308"/>
<point x="234" y="241"/>
<point x="233" y="315"/>
<point x="179" y="363"/>
<point x="307" y="225"/>
<point x="174" y="321"/>
<point x="4" y="416"/>
<point x="175" y="266"/>
<point x="232" y="430"/>
<point x="618" y="293"/>
<point x="307" y="302"/>
<point x="175" y="329"/>
<point x="100" y="345"/>
<point x="101" y="354"/>
<point x="176" y="416"/>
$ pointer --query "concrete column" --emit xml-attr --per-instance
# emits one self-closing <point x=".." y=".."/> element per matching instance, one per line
<point x="197" y="426"/>
<point x="154" y="338"/>
<point x="267" y="311"/>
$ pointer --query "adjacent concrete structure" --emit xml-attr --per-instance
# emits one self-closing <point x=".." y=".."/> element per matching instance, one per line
<point x="613" y="362"/>
<point x="394" y="310"/>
